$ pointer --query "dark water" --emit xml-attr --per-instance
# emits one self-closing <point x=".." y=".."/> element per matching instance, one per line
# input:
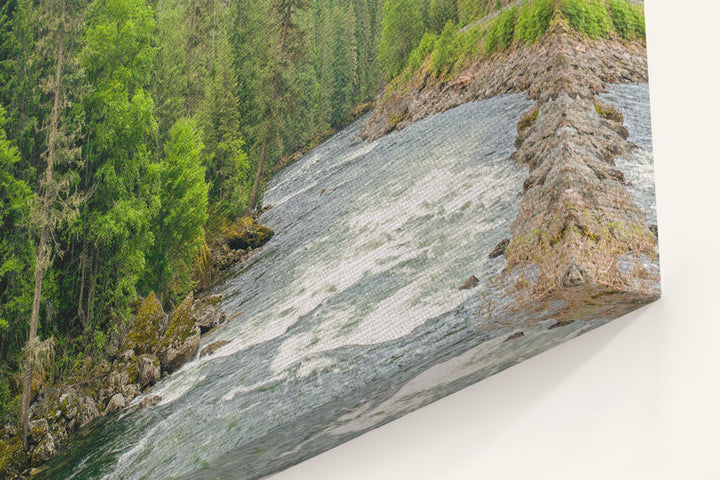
<point x="352" y="313"/>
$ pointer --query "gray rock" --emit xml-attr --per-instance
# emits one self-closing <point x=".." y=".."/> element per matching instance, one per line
<point x="87" y="412"/>
<point x="500" y="248"/>
<point x="117" y="402"/>
<point x="148" y="370"/>
<point x="43" y="452"/>
<point x="210" y="349"/>
<point x="205" y="312"/>
<point x="178" y="354"/>
<point x="38" y="429"/>
<point x="471" y="282"/>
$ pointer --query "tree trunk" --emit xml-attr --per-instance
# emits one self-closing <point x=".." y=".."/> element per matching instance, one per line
<point x="253" y="195"/>
<point x="43" y="252"/>
<point x="27" y="384"/>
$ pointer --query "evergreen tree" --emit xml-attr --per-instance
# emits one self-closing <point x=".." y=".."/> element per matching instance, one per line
<point x="119" y="128"/>
<point x="178" y="230"/>
<point x="402" y="29"/>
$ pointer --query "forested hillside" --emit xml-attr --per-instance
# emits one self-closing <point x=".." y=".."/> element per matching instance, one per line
<point x="132" y="130"/>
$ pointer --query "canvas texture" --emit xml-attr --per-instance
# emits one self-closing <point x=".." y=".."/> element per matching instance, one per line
<point x="497" y="200"/>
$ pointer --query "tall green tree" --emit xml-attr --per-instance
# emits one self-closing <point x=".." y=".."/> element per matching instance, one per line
<point x="277" y="93"/>
<point x="402" y="30"/>
<point x="178" y="230"/>
<point x="16" y="249"/>
<point x="119" y="132"/>
<point x="224" y="158"/>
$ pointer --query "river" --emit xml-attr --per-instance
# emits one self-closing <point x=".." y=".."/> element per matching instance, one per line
<point x="351" y="314"/>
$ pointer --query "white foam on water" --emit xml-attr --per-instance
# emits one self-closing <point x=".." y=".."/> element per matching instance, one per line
<point x="249" y="388"/>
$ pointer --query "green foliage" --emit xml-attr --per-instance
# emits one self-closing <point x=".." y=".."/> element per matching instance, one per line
<point x="469" y="10"/>
<point x="402" y="30"/>
<point x="440" y="12"/>
<point x="628" y="20"/>
<point x="533" y="20"/>
<point x="589" y="17"/>
<point x="444" y="55"/>
<point x="179" y="228"/>
<point x="425" y="48"/>
<point x="450" y="51"/>
<point x="16" y="247"/>
<point x="501" y="33"/>
<point x="120" y="126"/>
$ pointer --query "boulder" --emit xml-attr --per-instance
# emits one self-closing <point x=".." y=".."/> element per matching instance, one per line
<point x="471" y="282"/>
<point x="245" y="233"/>
<point x="205" y="312"/>
<point x="515" y="336"/>
<point x="131" y="391"/>
<point x="148" y="370"/>
<point x="38" y="429"/>
<point x="87" y="412"/>
<point x="117" y="402"/>
<point x="150" y="401"/>
<point x="500" y="248"/>
<point x="210" y="349"/>
<point x="148" y="327"/>
<point x="182" y="339"/>
<point x="43" y="452"/>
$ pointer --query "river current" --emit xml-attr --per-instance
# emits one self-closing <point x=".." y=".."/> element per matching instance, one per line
<point x="351" y="316"/>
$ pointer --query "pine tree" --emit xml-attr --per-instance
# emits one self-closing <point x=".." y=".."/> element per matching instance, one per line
<point x="178" y="230"/>
<point x="119" y="128"/>
<point x="402" y="29"/>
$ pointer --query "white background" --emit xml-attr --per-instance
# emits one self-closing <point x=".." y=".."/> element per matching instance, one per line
<point x="638" y="398"/>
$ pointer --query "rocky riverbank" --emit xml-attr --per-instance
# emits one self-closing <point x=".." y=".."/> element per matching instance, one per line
<point x="156" y="343"/>
<point x="578" y="238"/>
<point x="522" y="70"/>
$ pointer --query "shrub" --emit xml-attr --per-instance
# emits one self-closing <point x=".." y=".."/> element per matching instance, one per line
<point x="533" y="20"/>
<point x="444" y="56"/>
<point x="628" y="20"/>
<point x="501" y="33"/>
<point x="425" y="48"/>
<point x="589" y="17"/>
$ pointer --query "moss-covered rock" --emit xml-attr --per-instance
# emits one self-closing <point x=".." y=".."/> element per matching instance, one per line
<point x="148" y="327"/>
<point x="12" y="457"/>
<point x="182" y="339"/>
<point x="246" y="233"/>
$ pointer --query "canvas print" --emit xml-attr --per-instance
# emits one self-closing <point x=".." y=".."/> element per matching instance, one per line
<point x="235" y="235"/>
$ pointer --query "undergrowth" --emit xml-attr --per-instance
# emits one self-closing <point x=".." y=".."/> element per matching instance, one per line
<point x="447" y="54"/>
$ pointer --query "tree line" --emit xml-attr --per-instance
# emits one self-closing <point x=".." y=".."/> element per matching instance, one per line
<point x="131" y="130"/>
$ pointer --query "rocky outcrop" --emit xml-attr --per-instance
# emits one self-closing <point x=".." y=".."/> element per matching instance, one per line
<point x="210" y="349"/>
<point x="148" y="327"/>
<point x="206" y="312"/>
<point x="576" y="218"/>
<point x="471" y="282"/>
<point x="229" y="245"/>
<point x="522" y="70"/>
<point x="181" y="342"/>
<point x="116" y="403"/>
<point x="247" y="234"/>
<point x="155" y="344"/>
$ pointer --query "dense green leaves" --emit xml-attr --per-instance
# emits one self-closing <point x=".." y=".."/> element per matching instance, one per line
<point x="161" y="114"/>
<point x="178" y="231"/>
<point x="16" y="248"/>
<point x="402" y="30"/>
<point x="507" y="25"/>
